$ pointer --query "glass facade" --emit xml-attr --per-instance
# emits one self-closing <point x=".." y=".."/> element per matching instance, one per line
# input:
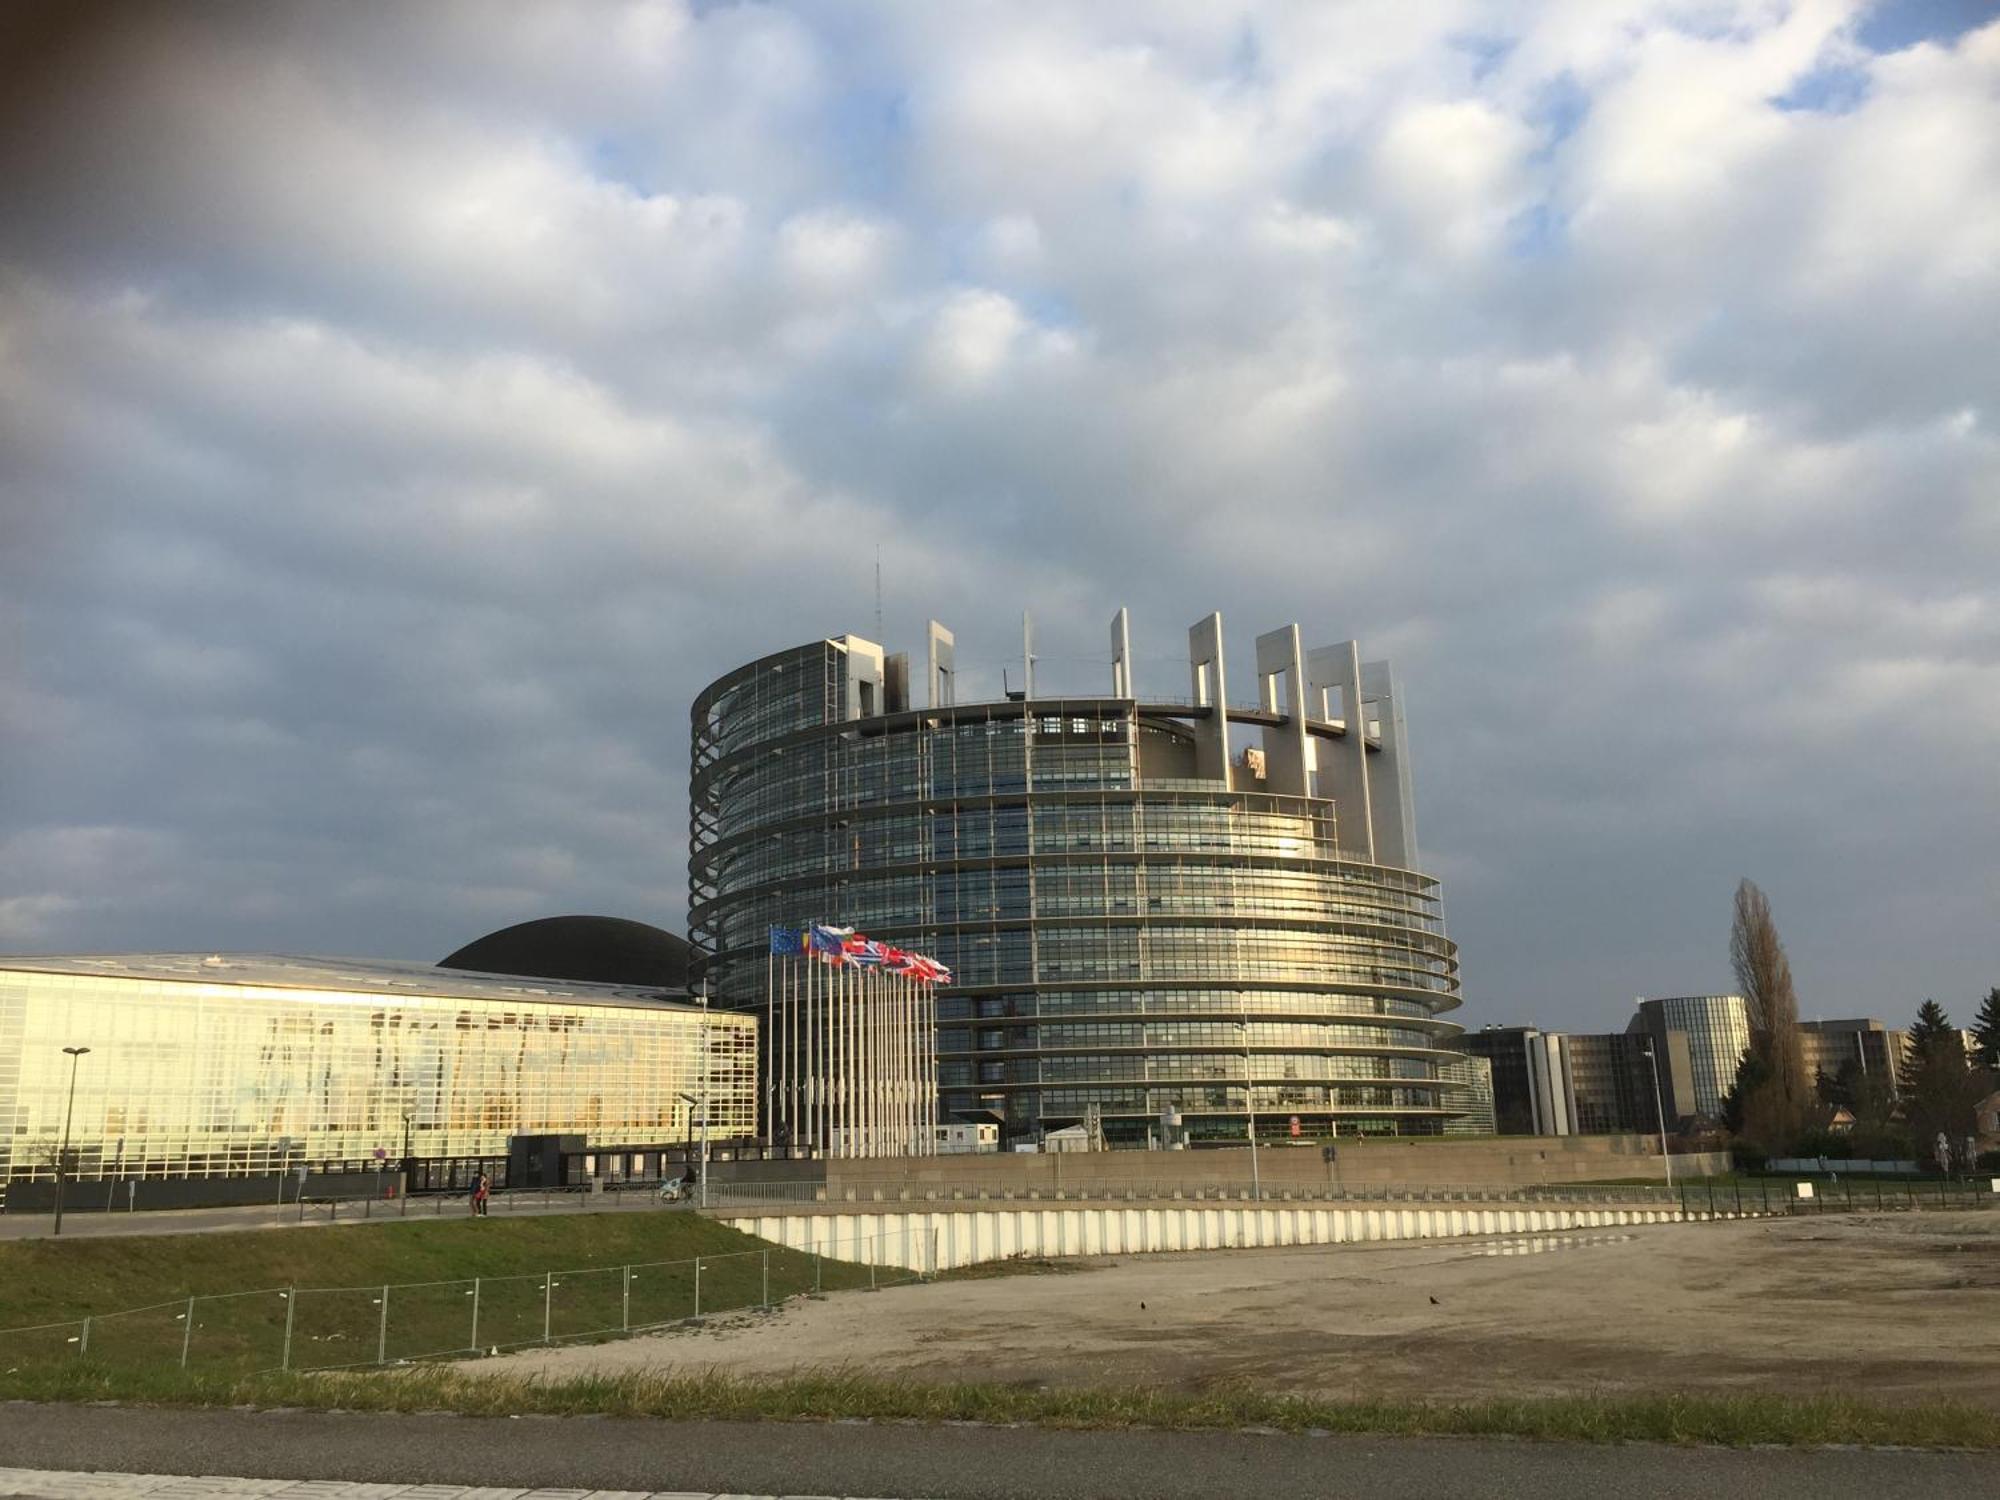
<point x="1122" y="935"/>
<point x="1718" y="1032"/>
<point x="242" y="1067"/>
<point x="1469" y="1089"/>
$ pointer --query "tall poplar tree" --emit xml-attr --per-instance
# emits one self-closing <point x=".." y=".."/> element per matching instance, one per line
<point x="1779" y="1104"/>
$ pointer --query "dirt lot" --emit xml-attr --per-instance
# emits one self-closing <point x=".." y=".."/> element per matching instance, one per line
<point x="1894" y="1307"/>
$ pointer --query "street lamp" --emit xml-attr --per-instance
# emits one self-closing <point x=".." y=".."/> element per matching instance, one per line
<point x="75" y="1055"/>
<point x="1249" y="1101"/>
<point x="1660" y="1110"/>
<point x="701" y="1118"/>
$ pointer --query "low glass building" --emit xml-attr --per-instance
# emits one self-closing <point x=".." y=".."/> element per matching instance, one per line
<point x="1150" y="925"/>
<point x="205" y="1067"/>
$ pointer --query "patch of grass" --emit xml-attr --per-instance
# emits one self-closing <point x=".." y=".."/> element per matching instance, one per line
<point x="838" y="1396"/>
<point x="326" y="1286"/>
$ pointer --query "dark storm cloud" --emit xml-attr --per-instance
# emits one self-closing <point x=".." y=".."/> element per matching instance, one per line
<point x="405" y="410"/>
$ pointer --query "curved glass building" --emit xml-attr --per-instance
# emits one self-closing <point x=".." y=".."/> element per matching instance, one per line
<point x="1149" y="930"/>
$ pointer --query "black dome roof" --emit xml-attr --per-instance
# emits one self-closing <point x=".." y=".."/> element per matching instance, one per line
<point x="587" y="950"/>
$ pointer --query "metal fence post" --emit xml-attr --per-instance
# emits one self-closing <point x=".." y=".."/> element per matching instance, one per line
<point x="187" y="1332"/>
<point x="548" y="1294"/>
<point x="871" y="1271"/>
<point x="83" y="1344"/>
<point x="474" y="1345"/>
<point x="767" y="1278"/>
<point x="1739" y="1197"/>
<point x="934" y="1254"/>
<point x="382" y="1331"/>
<point x="291" y="1308"/>
<point x="816" y="1272"/>
<point x="625" y="1303"/>
<point x="697" y="1286"/>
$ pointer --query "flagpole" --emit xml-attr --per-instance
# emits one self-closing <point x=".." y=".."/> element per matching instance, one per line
<point x="783" y="1125"/>
<point x="836" y="1104"/>
<point x="792" y="1047"/>
<point x="770" y="1046"/>
<point x="871" y="1073"/>
<point x="905" y="1070"/>
<point x="815" y="1103"/>
<point x="875" y="1068"/>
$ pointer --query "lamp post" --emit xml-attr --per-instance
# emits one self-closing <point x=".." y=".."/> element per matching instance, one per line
<point x="1249" y="1101"/>
<point x="75" y="1055"/>
<point x="700" y="1108"/>
<point x="702" y="1187"/>
<point x="1660" y="1110"/>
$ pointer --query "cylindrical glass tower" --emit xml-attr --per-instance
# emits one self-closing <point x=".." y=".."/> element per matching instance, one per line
<point x="1138" y="935"/>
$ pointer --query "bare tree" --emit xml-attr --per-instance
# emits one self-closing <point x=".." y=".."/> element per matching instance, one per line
<point x="1780" y="1104"/>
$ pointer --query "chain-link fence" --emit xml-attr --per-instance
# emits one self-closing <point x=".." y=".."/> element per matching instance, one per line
<point x="1706" y="1195"/>
<point x="360" y="1327"/>
<point x="1100" y="1188"/>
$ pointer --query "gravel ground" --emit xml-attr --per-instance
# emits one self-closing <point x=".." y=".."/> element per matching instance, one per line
<point x="1895" y="1307"/>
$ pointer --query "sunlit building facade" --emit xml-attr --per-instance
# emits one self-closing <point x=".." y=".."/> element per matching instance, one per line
<point x="1717" y="1028"/>
<point x="204" y="1067"/>
<point x="1148" y="924"/>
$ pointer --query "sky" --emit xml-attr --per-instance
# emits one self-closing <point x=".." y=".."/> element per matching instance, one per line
<point x="405" y="410"/>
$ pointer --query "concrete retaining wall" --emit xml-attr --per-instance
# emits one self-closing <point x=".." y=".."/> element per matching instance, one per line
<point x="940" y="1239"/>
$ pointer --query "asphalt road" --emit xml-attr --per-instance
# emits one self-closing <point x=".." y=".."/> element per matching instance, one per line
<point x="948" y="1462"/>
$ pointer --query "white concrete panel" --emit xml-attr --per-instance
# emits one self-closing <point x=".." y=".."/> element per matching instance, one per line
<point x="1121" y="656"/>
<point x="1391" y="805"/>
<point x="1281" y="688"/>
<point x="942" y="666"/>
<point x="936" y="1239"/>
<point x="1343" y="764"/>
<point x="1209" y="685"/>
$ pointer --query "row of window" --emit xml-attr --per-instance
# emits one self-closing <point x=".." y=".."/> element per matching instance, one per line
<point x="1033" y="1004"/>
<point x="1116" y="1067"/>
<point x="1182" y="1033"/>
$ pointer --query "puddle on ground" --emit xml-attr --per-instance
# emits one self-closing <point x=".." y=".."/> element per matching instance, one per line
<point x="1542" y="1244"/>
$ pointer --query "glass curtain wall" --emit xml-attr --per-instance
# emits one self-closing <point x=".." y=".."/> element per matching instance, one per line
<point x="1121" y="942"/>
<point x="193" y="1079"/>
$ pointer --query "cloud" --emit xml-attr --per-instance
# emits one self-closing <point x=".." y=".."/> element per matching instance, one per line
<point x="402" y="416"/>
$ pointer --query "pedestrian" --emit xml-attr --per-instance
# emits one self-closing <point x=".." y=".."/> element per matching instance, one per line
<point x="481" y="1191"/>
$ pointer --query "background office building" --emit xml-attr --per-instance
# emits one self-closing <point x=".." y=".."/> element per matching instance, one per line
<point x="1717" y="1028"/>
<point x="1151" y="905"/>
<point x="1855" y="1049"/>
<point x="1583" y="1083"/>
<point x="252" y="1067"/>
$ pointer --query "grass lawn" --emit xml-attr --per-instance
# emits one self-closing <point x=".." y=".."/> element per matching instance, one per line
<point x="840" y="1396"/>
<point x="454" y="1284"/>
